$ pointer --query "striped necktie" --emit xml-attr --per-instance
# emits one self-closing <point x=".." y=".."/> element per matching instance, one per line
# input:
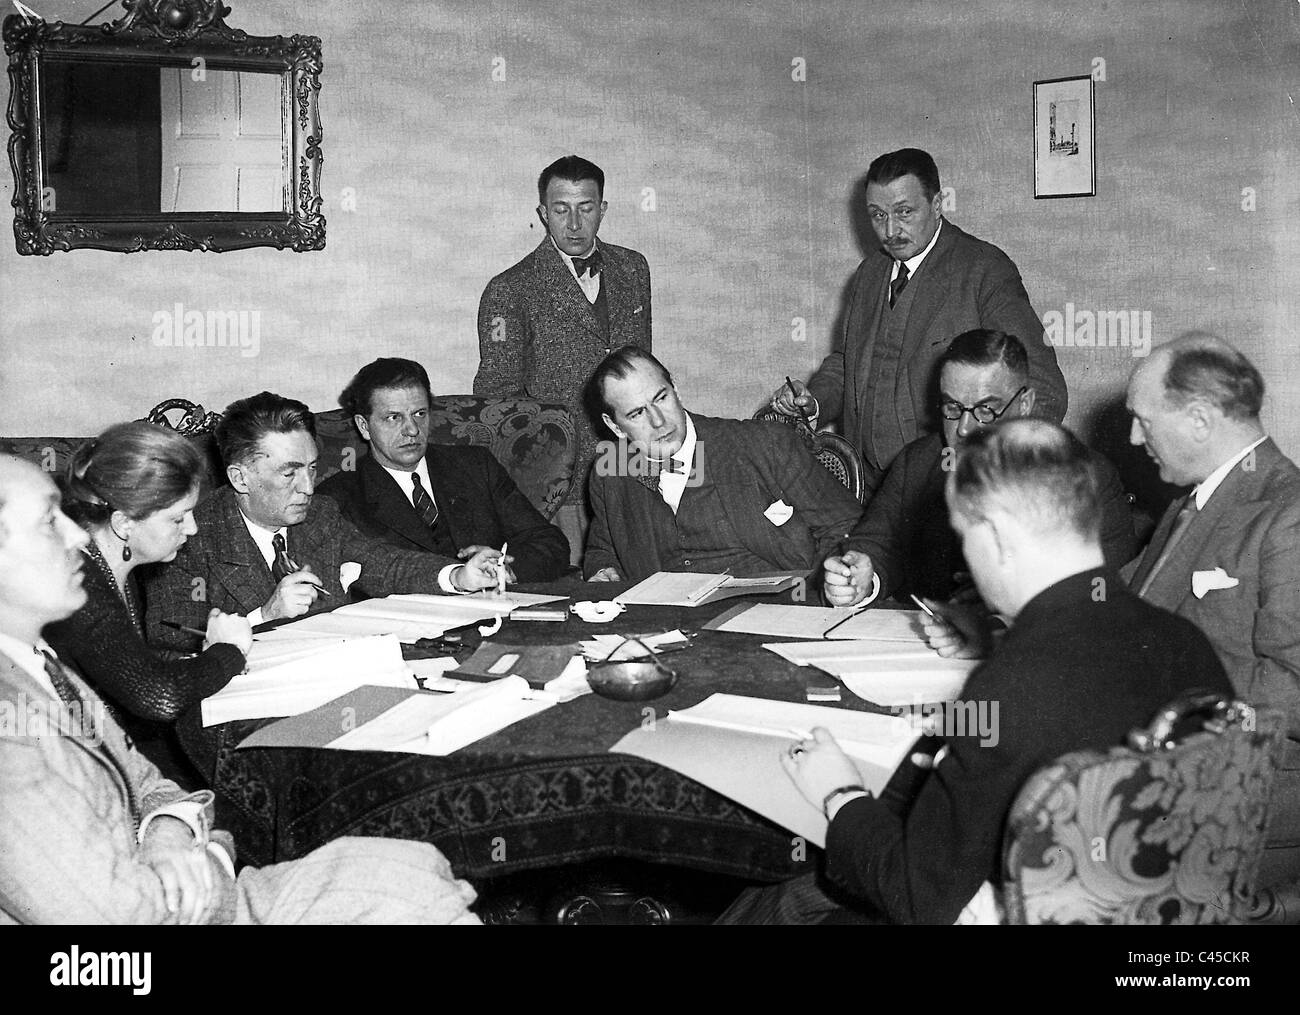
<point x="70" y="696"/>
<point x="282" y="566"/>
<point x="1181" y="523"/>
<point x="423" y="502"/>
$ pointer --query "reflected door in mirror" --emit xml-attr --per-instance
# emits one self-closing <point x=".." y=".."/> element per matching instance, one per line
<point x="221" y="142"/>
<point x="123" y="139"/>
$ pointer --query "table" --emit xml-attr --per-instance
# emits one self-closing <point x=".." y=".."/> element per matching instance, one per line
<point x="543" y="792"/>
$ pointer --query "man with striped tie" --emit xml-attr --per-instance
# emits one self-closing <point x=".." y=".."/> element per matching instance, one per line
<point x="267" y="548"/>
<point x="452" y="500"/>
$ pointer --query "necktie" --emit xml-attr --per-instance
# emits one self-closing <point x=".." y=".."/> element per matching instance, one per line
<point x="282" y="566"/>
<point x="1185" y="515"/>
<point x="70" y="696"/>
<point x="423" y="502"/>
<point x="897" y="286"/>
<point x="590" y="263"/>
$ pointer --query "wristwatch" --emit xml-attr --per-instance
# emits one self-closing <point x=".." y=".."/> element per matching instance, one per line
<point x="854" y="788"/>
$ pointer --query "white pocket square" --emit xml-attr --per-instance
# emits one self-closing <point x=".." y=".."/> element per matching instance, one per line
<point x="348" y="573"/>
<point x="1210" y="581"/>
<point x="779" y="512"/>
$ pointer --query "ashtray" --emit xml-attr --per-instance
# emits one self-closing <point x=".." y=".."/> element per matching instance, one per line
<point x="598" y="613"/>
<point x="631" y="679"/>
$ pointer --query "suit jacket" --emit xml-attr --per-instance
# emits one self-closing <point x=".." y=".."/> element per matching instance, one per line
<point x="538" y="337"/>
<point x="963" y="283"/>
<point x="906" y="530"/>
<point x="1072" y="673"/>
<point x="752" y="464"/>
<point x="220" y="566"/>
<point x="67" y="836"/>
<point x="68" y="851"/>
<point x="1251" y="529"/>
<point x="476" y="498"/>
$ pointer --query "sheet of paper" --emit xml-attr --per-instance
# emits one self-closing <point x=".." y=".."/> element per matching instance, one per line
<point x="881" y="625"/>
<point x="616" y="646"/>
<point x="672" y="588"/>
<point x="744" y="764"/>
<point x="779" y="620"/>
<point x="815" y="653"/>
<point x="516" y="600"/>
<point x="305" y="682"/>
<point x="910" y="681"/>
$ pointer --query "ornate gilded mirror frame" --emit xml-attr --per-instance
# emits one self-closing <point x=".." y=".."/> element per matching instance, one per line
<point x="165" y="33"/>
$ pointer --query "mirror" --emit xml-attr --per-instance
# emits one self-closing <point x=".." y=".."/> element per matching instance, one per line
<point x="165" y="130"/>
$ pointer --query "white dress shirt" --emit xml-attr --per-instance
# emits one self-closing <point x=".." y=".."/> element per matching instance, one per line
<point x="1215" y="479"/>
<point x="673" y="484"/>
<point x="403" y="480"/>
<point x="590" y="283"/>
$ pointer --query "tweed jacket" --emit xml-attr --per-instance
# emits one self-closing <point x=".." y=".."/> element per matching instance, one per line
<point x="220" y="566"/>
<point x="963" y="283"/>
<point x="68" y="851"/>
<point x="476" y="498"/>
<point x="752" y="464"/>
<point x="539" y="338"/>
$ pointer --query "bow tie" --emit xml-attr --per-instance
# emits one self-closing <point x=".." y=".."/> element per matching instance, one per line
<point x="590" y="263"/>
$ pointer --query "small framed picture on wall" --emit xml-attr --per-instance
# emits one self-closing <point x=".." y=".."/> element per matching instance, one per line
<point x="1065" y="154"/>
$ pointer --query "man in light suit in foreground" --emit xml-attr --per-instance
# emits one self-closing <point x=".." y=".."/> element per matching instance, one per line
<point x="90" y="830"/>
<point x="1227" y="556"/>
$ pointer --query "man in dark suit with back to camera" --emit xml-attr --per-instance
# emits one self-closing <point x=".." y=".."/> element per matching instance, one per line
<point x="683" y="492"/>
<point x="1084" y="662"/>
<point x="927" y="283"/>
<point x="544" y="323"/>
<point x="453" y="500"/>
<point x="269" y="549"/>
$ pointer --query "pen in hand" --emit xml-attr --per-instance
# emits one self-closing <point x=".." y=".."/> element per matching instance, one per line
<point x="795" y="395"/>
<point x="182" y="627"/>
<point x="501" y="571"/>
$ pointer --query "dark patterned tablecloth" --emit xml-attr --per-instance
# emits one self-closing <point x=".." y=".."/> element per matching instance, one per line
<point x="543" y="792"/>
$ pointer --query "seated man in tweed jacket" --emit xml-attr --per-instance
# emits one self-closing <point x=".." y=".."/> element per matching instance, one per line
<point x="268" y="549"/>
<point x="692" y="493"/>
<point x="91" y="832"/>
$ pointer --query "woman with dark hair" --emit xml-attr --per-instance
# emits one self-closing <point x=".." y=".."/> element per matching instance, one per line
<point x="133" y="489"/>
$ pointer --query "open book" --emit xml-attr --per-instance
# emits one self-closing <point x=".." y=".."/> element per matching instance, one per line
<point x="733" y="745"/>
<point x="684" y="588"/>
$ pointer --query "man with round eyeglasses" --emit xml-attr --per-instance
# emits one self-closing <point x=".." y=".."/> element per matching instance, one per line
<point x="904" y="543"/>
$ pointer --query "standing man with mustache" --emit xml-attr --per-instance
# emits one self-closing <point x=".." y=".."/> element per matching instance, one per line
<point x="545" y="323"/>
<point x="927" y="283"/>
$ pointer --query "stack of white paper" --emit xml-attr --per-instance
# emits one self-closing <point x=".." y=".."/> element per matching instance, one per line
<point x="883" y="672"/>
<point x="601" y="647"/>
<point x="408" y="617"/>
<point x="284" y="683"/>
<point x="441" y="724"/>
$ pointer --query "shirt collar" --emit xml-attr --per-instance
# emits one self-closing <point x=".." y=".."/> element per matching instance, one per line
<point x="263" y="538"/>
<point x="915" y="262"/>
<point x="1215" y="479"/>
<point x="27" y="658"/>
<point x="568" y="260"/>
<point x="686" y="453"/>
<point x="403" y="478"/>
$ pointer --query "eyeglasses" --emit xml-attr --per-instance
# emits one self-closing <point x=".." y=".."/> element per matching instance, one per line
<point x="983" y="414"/>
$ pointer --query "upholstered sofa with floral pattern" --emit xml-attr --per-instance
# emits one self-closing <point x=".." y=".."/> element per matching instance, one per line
<point x="534" y="441"/>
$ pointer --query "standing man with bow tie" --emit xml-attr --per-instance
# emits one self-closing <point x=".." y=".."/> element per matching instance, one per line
<point x="927" y="283"/>
<point x="545" y="323"/>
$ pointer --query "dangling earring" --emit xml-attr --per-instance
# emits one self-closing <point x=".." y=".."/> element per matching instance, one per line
<point x="126" y="551"/>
